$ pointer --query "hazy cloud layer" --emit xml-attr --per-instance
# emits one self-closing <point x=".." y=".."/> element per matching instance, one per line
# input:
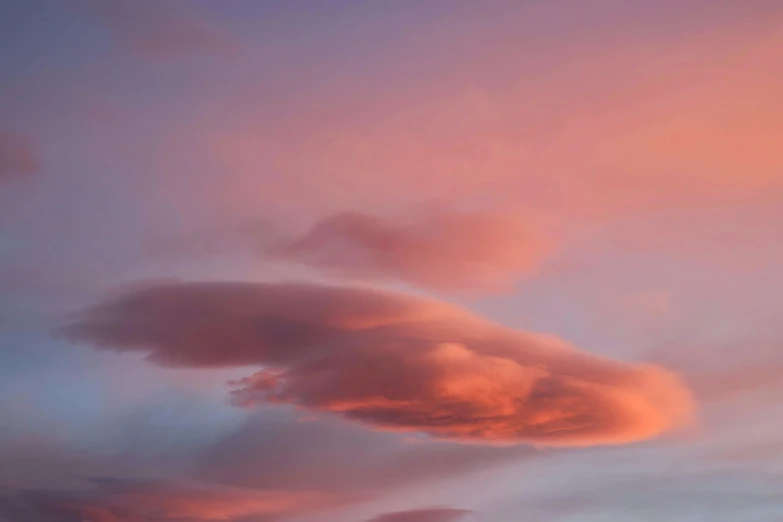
<point x="423" y="515"/>
<point x="393" y="361"/>
<point x="445" y="250"/>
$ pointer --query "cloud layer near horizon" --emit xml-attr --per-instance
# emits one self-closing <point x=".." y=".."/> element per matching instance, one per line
<point x="114" y="500"/>
<point x="394" y="361"/>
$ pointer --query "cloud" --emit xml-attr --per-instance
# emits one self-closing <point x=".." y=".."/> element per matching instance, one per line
<point x="392" y="361"/>
<point x="113" y="500"/>
<point x="445" y="250"/>
<point x="423" y="515"/>
<point x="18" y="156"/>
<point x="158" y="30"/>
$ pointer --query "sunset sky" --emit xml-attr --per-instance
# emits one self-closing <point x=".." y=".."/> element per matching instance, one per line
<point x="391" y="260"/>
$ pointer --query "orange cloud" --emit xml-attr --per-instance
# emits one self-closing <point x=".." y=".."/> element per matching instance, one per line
<point x="423" y="515"/>
<point x="393" y="361"/>
<point x="445" y="250"/>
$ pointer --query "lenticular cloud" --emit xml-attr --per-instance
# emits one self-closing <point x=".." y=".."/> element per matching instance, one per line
<point x="392" y="361"/>
<point x="437" y="249"/>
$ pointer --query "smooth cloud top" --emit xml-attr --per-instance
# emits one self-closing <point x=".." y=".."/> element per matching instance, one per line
<point x="433" y="249"/>
<point x="423" y="515"/>
<point x="393" y="361"/>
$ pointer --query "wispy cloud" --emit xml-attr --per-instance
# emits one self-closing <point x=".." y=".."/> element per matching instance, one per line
<point x="163" y="30"/>
<point x="423" y="515"/>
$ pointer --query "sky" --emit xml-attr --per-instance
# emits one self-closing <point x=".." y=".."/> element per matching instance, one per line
<point x="409" y="261"/>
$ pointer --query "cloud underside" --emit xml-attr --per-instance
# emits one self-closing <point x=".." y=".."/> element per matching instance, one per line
<point x="393" y="361"/>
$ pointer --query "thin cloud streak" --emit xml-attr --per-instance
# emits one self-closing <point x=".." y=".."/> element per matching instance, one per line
<point x="423" y="515"/>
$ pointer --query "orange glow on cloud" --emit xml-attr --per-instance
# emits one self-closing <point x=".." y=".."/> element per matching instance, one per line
<point x="392" y="361"/>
